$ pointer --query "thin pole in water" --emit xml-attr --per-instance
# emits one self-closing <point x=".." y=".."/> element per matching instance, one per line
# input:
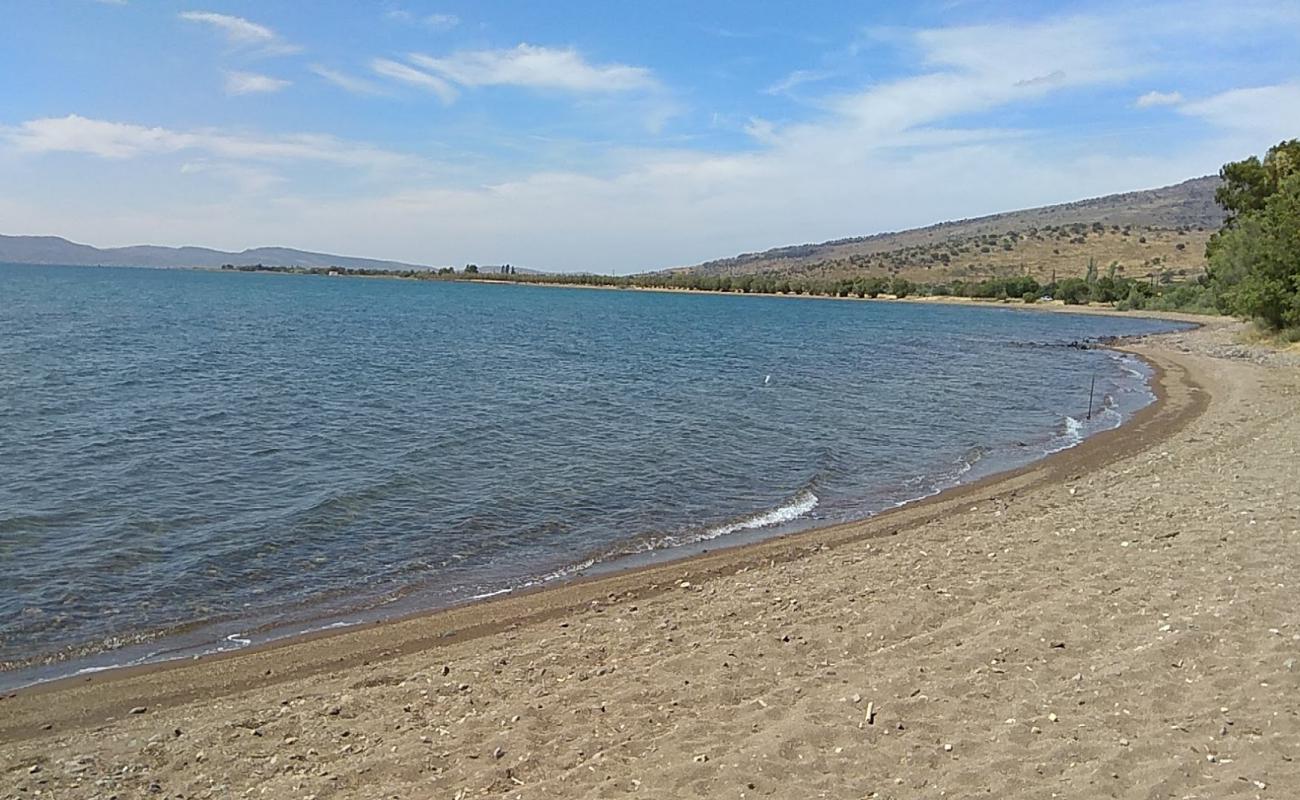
<point x="1091" y="388"/>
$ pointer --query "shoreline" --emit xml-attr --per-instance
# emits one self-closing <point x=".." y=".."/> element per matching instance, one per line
<point x="1115" y="622"/>
<point x="1055" y="306"/>
<point x="362" y="643"/>
<point x="174" y="651"/>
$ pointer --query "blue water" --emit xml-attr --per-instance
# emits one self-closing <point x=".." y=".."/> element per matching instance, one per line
<point x="190" y="461"/>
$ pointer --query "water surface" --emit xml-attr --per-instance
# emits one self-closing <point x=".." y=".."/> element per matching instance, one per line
<point x="196" y="460"/>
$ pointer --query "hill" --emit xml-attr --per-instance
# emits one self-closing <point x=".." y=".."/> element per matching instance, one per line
<point x="57" y="250"/>
<point x="1152" y="232"/>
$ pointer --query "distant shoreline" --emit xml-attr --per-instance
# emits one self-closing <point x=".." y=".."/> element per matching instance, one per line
<point x="1018" y="305"/>
<point x="1057" y="306"/>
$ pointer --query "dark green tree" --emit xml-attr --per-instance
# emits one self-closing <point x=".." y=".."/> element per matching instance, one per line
<point x="1255" y="263"/>
<point x="1248" y="184"/>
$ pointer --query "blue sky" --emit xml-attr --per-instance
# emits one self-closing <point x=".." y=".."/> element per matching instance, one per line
<point x="611" y="136"/>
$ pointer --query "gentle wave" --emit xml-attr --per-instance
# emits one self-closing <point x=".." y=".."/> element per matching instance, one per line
<point x="801" y="505"/>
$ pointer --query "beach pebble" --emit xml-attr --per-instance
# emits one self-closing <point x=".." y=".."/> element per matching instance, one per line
<point x="947" y="748"/>
<point x="139" y="710"/>
<point x="498" y="753"/>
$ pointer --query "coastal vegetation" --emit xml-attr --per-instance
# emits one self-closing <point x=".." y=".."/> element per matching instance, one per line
<point x="1255" y="260"/>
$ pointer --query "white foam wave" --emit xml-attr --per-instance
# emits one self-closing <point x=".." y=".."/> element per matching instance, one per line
<point x="1073" y="435"/>
<point x="802" y="503"/>
<point x="1073" y="429"/>
<point x="1129" y="365"/>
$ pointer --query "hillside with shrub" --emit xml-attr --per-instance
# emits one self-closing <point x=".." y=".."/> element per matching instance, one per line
<point x="1158" y="234"/>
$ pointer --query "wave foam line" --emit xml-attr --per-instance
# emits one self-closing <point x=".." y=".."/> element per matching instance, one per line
<point x="802" y="503"/>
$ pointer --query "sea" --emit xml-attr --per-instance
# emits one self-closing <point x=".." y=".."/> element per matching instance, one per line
<point x="194" y="462"/>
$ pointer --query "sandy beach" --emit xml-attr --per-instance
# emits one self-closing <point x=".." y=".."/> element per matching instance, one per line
<point x="1118" y="620"/>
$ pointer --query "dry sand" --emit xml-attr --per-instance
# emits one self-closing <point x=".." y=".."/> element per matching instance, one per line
<point x="1117" y="621"/>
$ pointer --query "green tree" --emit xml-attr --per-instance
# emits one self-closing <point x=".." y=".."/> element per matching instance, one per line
<point x="1255" y="263"/>
<point x="1248" y="184"/>
<point x="1073" y="291"/>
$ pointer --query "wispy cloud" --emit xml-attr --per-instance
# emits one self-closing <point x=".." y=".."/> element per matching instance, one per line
<point x="119" y="140"/>
<point x="537" y="68"/>
<point x="441" y="22"/>
<point x="350" y="83"/>
<point x="249" y="179"/>
<point x="974" y="69"/>
<point x="252" y="83"/>
<point x="797" y="78"/>
<point x="414" y="77"/>
<point x="240" y="32"/>
<point x="1152" y="99"/>
<point x="438" y="22"/>
<point x="1262" y="113"/>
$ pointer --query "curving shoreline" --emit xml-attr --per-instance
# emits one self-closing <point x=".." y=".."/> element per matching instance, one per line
<point x="520" y="605"/>
<point x="1113" y="621"/>
<point x="285" y="606"/>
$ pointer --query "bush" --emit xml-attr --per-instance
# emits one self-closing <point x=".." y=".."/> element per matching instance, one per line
<point x="1073" y="292"/>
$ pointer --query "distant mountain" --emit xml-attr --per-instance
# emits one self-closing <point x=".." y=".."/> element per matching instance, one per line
<point x="57" y="250"/>
<point x="1151" y="230"/>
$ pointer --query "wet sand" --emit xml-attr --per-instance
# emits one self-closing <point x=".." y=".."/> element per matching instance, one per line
<point x="1115" y="621"/>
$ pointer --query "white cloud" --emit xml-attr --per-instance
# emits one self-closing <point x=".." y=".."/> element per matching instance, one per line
<point x="438" y="22"/>
<point x="926" y="143"/>
<point x="797" y="78"/>
<point x="441" y="22"/>
<point x="979" y="68"/>
<point x="252" y="83"/>
<point x="538" y="68"/>
<point x="117" y="140"/>
<point x="414" y="77"/>
<point x="248" y="179"/>
<point x="347" y="82"/>
<point x="1152" y="99"/>
<point x="1265" y="115"/>
<point x="240" y="32"/>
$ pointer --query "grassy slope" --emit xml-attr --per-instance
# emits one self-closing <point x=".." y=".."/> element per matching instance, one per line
<point x="1147" y="233"/>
